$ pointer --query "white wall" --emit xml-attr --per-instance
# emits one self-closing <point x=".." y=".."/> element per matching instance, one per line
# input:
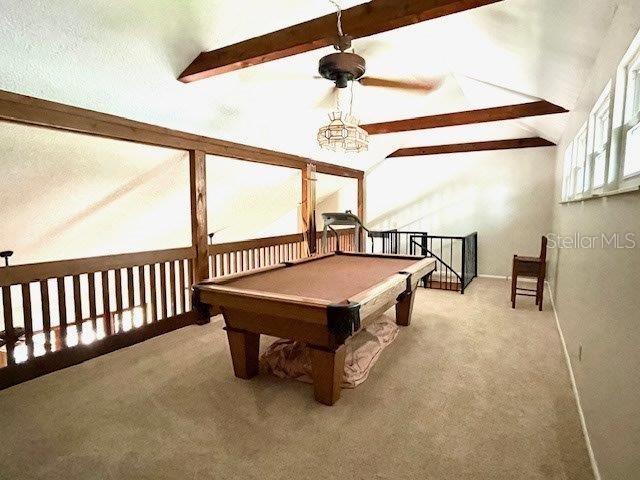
<point x="335" y="194"/>
<point x="505" y="196"/>
<point x="248" y="200"/>
<point x="66" y="195"/>
<point x="597" y="290"/>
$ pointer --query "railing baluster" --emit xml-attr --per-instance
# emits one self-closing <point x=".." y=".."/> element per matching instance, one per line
<point x="91" y="280"/>
<point x="190" y="283"/>
<point x="451" y="261"/>
<point x="62" y="312"/>
<point x="163" y="290"/>
<point x="8" y="324"/>
<point x="172" y="284"/>
<point x="106" y="304"/>
<point x="118" y="278"/>
<point x="183" y="292"/>
<point x="142" y="287"/>
<point x="28" y="318"/>
<point x="46" y="314"/>
<point x="153" y="293"/>
<point x="77" y="304"/>
<point x="130" y="291"/>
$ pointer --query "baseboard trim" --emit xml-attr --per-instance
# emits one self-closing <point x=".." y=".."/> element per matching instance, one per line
<point x="574" y="387"/>
<point x="498" y="277"/>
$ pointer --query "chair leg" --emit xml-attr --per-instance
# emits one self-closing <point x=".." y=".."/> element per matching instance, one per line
<point x="540" y="293"/>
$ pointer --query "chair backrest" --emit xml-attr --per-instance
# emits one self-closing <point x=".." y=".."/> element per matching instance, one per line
<point x="543" y="249"/>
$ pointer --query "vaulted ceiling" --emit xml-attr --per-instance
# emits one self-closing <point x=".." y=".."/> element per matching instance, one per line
<point x="124" y="58"/>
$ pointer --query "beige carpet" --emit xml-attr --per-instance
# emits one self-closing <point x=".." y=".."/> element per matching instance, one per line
<point x="471" y="390"/>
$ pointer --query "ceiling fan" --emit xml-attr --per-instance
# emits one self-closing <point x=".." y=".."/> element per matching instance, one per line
<point x="343" y="67"/>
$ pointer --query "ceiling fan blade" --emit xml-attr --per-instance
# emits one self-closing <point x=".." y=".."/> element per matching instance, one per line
<point x="328" y="101"/>
<point x="412" y="85"/>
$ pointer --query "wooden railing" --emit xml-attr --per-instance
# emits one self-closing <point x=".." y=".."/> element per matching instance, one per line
<point x="60" y="313"/>
<point x="245" y="255"/>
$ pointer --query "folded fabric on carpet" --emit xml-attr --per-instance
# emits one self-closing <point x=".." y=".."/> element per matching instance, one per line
<point x="290" y="359"/>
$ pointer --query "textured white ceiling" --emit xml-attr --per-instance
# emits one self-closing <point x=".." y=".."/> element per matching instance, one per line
<point x="123" y="58"/>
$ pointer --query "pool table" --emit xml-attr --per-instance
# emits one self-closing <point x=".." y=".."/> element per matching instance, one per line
<point x="320" y="300"/>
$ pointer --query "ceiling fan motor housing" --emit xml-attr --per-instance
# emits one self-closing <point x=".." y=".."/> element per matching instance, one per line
<point x="342" y="67"/>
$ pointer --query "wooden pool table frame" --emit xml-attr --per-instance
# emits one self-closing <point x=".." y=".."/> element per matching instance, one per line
<point x="322" y="325"/>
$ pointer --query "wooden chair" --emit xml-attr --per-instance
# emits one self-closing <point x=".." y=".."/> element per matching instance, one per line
<point x="530" y="267"/>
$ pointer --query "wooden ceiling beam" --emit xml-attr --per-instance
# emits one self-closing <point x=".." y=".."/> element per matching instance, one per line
<point x="34" y="111"/>
<point x="469" y="117"/>
<point x="364" y="20"/>
<point x="473" y="147"/>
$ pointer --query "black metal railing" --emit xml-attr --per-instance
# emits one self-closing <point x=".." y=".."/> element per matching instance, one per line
<point x="456" y="256"/>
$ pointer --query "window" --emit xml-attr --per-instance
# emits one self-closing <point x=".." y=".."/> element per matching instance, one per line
<point x="599" y="138"/>
<point x="631" y="128"/>
<point x="604" y="156"/>
<point x="567" y="185"/>
<point x="579" y="162"/>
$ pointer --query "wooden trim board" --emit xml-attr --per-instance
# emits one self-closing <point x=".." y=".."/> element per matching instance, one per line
<point x="26" y="110"/>
<point x="364" y="20"/>
<point x="19" y="274"/>
<point x="469" y="117"/>
<point x="473" y="147"/>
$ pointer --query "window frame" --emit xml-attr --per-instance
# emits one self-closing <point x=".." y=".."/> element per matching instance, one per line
<point x="630" y="117"/>
<point x="615" y="113"/>
<point x="603" y="109"/>
<point x="567" y="184"/>
<point x="579" y="163"/>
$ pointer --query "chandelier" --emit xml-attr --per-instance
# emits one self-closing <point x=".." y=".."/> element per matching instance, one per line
<point x="343" y="134"/>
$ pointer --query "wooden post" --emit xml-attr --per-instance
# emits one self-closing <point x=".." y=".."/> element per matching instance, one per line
<point x="362" y="211"/>
<point x="198" y="187"/>
<point x="308" y="206"/>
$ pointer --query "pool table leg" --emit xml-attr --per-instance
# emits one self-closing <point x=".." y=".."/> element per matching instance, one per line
<point x="327" y="369"/>
<point x="404" y="309"/>
<point x="245" y="347"/>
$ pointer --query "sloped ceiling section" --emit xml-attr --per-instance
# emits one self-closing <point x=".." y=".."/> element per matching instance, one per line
<point x="124" y="57"/>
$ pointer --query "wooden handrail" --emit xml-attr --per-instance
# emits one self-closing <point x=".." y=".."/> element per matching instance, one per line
<point x="34" y="272"/>
<point x="218" y="248"/>
<point x="35" y="111"/>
